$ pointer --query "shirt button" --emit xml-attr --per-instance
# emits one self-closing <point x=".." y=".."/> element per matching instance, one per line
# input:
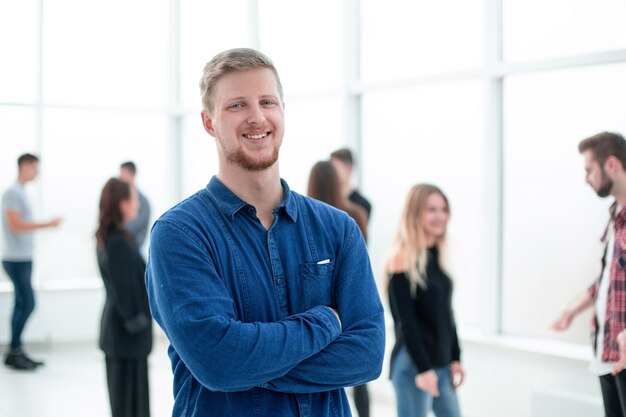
<point x="279" y="281"/>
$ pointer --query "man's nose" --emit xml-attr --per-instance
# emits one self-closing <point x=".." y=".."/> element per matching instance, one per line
<point x="256" y="115"/>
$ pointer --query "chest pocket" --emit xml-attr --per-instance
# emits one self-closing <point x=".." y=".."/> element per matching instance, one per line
<point x="316" y="284"/>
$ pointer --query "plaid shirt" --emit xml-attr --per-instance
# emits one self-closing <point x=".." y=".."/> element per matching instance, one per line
<point x="615" y="320"/>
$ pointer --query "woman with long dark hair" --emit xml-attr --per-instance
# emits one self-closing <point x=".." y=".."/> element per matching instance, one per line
<point x="425" y="361"/>
<point x="325" y="186"/>
<point x="126" y="327"/>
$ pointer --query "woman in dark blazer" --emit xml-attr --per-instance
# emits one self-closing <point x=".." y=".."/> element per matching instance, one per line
<point x="126" y="327"/>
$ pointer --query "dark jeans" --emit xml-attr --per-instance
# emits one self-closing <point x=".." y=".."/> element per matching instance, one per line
<point x="20" y="273"/>
<point x="614" y="394"/>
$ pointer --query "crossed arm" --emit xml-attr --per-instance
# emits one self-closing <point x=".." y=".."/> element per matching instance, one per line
<point x="305" y="352"/>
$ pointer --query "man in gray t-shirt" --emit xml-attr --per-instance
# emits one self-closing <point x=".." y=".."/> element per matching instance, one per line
<point x="17" y="259"/>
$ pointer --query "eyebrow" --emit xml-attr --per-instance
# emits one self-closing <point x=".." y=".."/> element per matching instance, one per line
<point x="244" y="98"/>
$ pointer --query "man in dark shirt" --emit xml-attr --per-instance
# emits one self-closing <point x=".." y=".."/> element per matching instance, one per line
<point x="343" y="162"/>
<point x="139" y="225"/>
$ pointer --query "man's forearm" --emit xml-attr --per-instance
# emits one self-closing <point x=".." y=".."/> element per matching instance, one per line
<point x="229" y="355"/>
<point x="24" y="227"/>
<point x="353" y="358"/>
<point x="580" y="304"/>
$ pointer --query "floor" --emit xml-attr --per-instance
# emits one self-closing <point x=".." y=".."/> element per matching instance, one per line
<point x="72" y="384"/>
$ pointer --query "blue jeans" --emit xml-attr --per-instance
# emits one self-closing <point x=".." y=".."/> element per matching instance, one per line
<point x="412" y="401"/>
<point x="20" y="273"/>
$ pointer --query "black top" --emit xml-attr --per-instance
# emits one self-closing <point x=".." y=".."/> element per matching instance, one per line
<point x="424" y="322"/>
<point x="126" y="326"/>
<point x="358" y="199"/>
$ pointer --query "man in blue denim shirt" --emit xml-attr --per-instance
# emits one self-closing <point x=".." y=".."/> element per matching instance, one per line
<point x="267" y="296"/>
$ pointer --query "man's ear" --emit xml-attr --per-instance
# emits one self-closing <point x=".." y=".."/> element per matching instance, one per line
<point x="615" y="164"/>
<point x="610" y="163"/>
<point x="207" y="122"/>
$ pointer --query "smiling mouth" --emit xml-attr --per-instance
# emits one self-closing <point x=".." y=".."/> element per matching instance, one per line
<point x="256" y="137"/>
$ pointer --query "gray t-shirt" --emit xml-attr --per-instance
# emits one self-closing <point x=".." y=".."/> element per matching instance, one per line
<point x="18" y="246"/>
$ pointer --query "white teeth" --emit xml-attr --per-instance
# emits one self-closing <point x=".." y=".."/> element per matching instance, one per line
<point x="256" y="136"/>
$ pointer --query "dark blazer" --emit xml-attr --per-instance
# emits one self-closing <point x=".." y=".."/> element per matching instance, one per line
<point x="126" y="326"/>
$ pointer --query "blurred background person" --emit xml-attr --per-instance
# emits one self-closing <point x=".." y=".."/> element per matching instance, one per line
<point x="137" y="226"/>
<point x="605" y="165"/>
<point x="126" y="326"/>
<point x="325" y="185"/>
<point x="425" y="361"/>
<point x="17" y="259"/>
<point x="343" y="162"/>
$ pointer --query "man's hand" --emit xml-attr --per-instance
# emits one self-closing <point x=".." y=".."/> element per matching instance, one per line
<point x="457" y="374"/>
<point x="564" y="321"/>
<point x="54" y="222"/>
<point x="621" y="340"/>
<point x="428" y="381"/>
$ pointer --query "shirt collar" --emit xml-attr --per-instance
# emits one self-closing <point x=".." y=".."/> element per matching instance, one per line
<point x="617" y="215"/>
<point x="229" y="203"/>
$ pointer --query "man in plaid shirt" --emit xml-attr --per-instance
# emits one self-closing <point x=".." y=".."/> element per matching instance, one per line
<point x="605" y="162"/>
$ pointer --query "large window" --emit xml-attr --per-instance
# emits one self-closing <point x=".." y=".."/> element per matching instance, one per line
<point x="407" y="39"/>
<point x="19" y="25"/>
<point x="552" y="219"/>
<point x="112" y="54"/>
<point x="313" y="59"/>
<point x="199" y="155"/>
<point x="81" y="150"/>
<point x="432" y="134"/>
<point x="206" y="28"/>
<point x="485" y="98"/>
<point x="536" y="29"/>
<point x="312" y="131"/>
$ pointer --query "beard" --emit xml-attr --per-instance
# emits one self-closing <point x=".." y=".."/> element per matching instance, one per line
<point x="605" y="187"/>
<point x="249" y="163"/>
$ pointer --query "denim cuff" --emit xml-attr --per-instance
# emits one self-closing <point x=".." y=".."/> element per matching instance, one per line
<point x="330" y="319"/>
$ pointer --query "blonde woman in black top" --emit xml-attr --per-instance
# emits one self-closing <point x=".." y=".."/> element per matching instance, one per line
<point x="425" y="362"/>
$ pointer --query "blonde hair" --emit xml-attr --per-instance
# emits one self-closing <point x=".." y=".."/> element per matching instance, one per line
<point x="238" y="59"/>
<point x="410" y="238"/>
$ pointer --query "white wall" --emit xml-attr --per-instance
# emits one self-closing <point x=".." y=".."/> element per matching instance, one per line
<point x="520" y="378"/>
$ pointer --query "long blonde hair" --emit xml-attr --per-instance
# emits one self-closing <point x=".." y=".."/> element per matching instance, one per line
<point x="410" y="238"/>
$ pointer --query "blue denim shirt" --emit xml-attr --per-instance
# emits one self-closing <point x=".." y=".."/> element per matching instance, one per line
<point x="247" y="312"/>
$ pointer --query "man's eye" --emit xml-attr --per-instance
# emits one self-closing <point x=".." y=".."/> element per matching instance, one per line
<point x="235" y="106"/>
<point x="267" y="102"/>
